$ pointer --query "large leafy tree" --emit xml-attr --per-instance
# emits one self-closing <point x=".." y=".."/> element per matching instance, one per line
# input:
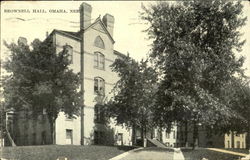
<point x="239" y="99"/>
<point x="194" y="45"/>
<point x="41" y="80"/>
<point x="133" y="95"/>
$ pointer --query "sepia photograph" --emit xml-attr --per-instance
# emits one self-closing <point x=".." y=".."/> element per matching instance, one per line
<point x="125" y="80"/>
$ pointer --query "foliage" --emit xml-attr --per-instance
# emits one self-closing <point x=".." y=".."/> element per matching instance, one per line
<point x="40" y="79"/>
<point x="133" y="93"/>
<point x="194" y="44"/>
<point x="237" y="96"/>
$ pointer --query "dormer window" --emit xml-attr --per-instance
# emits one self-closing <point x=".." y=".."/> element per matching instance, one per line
<point x="99" y="60"/>
<point x="99" y="42"/>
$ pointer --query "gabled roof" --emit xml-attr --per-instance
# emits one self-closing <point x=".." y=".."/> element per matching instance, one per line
<point x="119" y="53"/>
<point x="98" y="20"/>
<point x="77" y="35"/>
<point x="74" y="35"/>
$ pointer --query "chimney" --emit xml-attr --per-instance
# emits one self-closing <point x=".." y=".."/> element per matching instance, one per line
<point x="109" y="21"/>
<point x="85" y="15"/>
<point x="22" y="41"/>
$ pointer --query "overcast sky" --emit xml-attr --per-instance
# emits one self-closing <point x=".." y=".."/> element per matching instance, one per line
<point x="128" y="27"/>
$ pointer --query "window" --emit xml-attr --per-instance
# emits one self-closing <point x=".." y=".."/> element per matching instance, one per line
<point x="120" y="139"/>
<point x="99" y="86"/>
<point x="99" y="137"/>
<point x="173" y="134"/>
<point x="99" y="42"/>
<point x="238" y="144"/>
<point x="44" y="137"/>
<point x="99" y="114"/>
<point x="181" y="136"/>
<point x="68" y="118"/>
<point x="228" y="144"/>
<point x="69" y="136"/>
<point x="167" y="135"/>
<point x="99" y="60"/>
<point x="69" y="50"/>
<point x="44" y="111"/>
<point x="34" y="139"/>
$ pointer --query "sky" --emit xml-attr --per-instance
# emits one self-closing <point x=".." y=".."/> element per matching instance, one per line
<point x="128" y="28"/>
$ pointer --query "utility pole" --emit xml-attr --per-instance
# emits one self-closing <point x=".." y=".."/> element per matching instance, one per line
<point x="82" y="90"/>
<point x="82" y="87"/>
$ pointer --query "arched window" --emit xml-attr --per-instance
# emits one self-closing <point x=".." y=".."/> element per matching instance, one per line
<point x="99" y="60"/>
<point x="99" y="42"/>
<point x="99" y="86"/>
<point x="69" y="50"/>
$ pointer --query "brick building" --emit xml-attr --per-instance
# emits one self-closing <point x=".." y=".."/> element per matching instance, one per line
<point x="92" y="52"/>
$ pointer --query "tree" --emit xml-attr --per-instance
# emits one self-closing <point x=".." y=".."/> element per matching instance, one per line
<point x="133" y="95"/>
<point x="194" y="44"/>
<point x="244" y="110"/>
<point x="239" y="98"/>
<point x="41" y="80"/>
<point x="2" y="122"/>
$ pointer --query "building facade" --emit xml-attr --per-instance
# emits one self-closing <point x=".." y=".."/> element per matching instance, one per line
<point x="91" y="52"/>
<point x="235" y="140"/>
<point x="208" y="139"/>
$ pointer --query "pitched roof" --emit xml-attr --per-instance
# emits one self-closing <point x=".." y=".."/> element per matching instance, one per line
<point x="119" y="53"/>
<point x="103" y="26"/>
<point x="74" y="35"/>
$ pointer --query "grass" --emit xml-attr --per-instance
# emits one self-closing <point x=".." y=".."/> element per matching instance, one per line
<point x="52" y="152"/>
<point x="200" y="153"/>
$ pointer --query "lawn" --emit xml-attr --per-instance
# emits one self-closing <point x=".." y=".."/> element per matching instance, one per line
<point x="52" y="152"/>
<point x="200" y="153"/>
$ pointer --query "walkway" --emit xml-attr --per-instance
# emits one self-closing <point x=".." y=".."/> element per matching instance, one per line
<point x="178" y="154"/>
<point x="226" y="151"/>
<point x="150" y="153"/>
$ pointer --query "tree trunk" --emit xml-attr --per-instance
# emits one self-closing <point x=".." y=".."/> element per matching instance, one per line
<point x="195" y="134"/>
<point x="2" y="122"/>
<point x="52" y="129"/>
<point x="248" y="137"/>
<point x="160" y="130"/>
<point x="145" y="137"/>
<point x="133" y="135"/>
<point x="232" y="139"/>
<point x="142" y="136"/>
<point x="186" y="133"/>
